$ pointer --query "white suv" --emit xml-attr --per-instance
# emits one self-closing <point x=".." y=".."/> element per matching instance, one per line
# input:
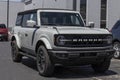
<point x="60" y="37"/>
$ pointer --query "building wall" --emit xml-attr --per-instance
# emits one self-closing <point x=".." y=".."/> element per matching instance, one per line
<point x="57" y="4"/>
<point x="93" y="9"/>
<point x="113" y="12"/>
<point x="69" y="4"/>
<point x="34" y="4"/>
<point x="93" y="12"/>
<point x="78" y="5"/>
<point x="3" y="12"/>
<point x="15" y="7"/>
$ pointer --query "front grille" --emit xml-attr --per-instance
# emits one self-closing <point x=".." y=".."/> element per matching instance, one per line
<point x="85" y="40"/>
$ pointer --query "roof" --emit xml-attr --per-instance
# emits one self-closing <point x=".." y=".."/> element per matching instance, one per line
<point x="35" y="10"/>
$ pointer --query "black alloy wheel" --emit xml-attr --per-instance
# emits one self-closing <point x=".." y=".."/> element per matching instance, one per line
<point x="44" y="64"/>
<point x="116" y="46"/>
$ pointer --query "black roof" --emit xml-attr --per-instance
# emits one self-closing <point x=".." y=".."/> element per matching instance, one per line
<point x="35" y="10"/>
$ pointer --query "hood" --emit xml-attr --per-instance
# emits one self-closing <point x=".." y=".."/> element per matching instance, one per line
<point x="81" y="30"/>
<point x="2" y="30"/>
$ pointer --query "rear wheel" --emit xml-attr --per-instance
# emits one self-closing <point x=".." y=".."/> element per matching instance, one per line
<point x="16" y="57"/>
<point x="101" y="67"/>
<point x="117" y="50"/>
<point x="44" y="64"/>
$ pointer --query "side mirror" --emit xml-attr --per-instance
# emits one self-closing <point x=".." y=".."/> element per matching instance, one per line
<point x="31" y="23"/>
<point x="91" y="24"/>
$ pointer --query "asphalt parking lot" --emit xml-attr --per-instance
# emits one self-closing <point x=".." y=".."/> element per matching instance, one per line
<point x="26" y="70"/>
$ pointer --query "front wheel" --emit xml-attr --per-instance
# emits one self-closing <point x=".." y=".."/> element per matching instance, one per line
<point x="117" y="50"/>
<point x="44" y="64"/>
<point x="101" y="67"/>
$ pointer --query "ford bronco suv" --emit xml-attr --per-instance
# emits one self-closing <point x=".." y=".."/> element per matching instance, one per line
<point x="60" y="38"/>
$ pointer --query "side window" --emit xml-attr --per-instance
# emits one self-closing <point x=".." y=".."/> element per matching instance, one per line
<point x="25" y="18"/>
<point x="2" y="26"/>
<point x="75" y="20"/>
<point x="34" y="17"/>
<point x="19" y="20"/>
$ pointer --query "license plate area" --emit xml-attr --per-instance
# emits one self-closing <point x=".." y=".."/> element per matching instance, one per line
<point x="88" y="54"/>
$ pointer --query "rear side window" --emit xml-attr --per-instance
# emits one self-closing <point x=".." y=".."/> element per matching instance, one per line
<point x="2" y="26"/>
<point x="19" y="20"/>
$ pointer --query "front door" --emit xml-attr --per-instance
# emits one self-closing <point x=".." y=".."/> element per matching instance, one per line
<point x="28" y="32"/>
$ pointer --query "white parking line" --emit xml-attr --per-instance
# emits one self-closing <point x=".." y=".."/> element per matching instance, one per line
<point x="115" y="60"/>
<point x="116" y="76"/>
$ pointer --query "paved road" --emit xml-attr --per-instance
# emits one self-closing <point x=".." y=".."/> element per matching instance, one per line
<point x="26" y="70"/>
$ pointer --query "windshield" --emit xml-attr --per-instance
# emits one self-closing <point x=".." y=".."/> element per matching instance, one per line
<point x="61" y="19"/>
<point x="2" y="26"/>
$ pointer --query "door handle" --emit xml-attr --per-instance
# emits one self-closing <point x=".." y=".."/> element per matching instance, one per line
<point x="26" y="34"/>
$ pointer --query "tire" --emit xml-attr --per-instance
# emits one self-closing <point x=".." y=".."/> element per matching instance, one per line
<point x="44" y="64"/>
<point x="16" y="57"/>
<point x="101" y="67"/>
<point x="117" y="50"/>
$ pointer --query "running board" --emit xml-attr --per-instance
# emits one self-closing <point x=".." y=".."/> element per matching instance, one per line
<point x="28" y="55"/>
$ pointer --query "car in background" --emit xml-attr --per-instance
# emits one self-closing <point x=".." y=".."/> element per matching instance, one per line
<point x="116" y="39"/>
<point x="3" y="32"/>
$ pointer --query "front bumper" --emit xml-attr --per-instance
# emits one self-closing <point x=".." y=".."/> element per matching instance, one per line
<point x="81" y="56"/>
<point x="3" y="37"/>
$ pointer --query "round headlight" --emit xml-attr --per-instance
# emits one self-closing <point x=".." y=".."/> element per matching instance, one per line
<point x="60" y="40"/>
<point x="109" y="39"/>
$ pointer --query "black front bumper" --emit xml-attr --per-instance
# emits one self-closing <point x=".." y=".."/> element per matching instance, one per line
<point x="3" y="37"/>
<point x="69" y="57"/>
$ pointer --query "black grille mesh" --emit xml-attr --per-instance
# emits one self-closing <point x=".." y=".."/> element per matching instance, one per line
<point x="85" y="43"/>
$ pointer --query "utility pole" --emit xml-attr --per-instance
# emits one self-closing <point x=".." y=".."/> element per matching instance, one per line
<point x="8" y="13"/>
